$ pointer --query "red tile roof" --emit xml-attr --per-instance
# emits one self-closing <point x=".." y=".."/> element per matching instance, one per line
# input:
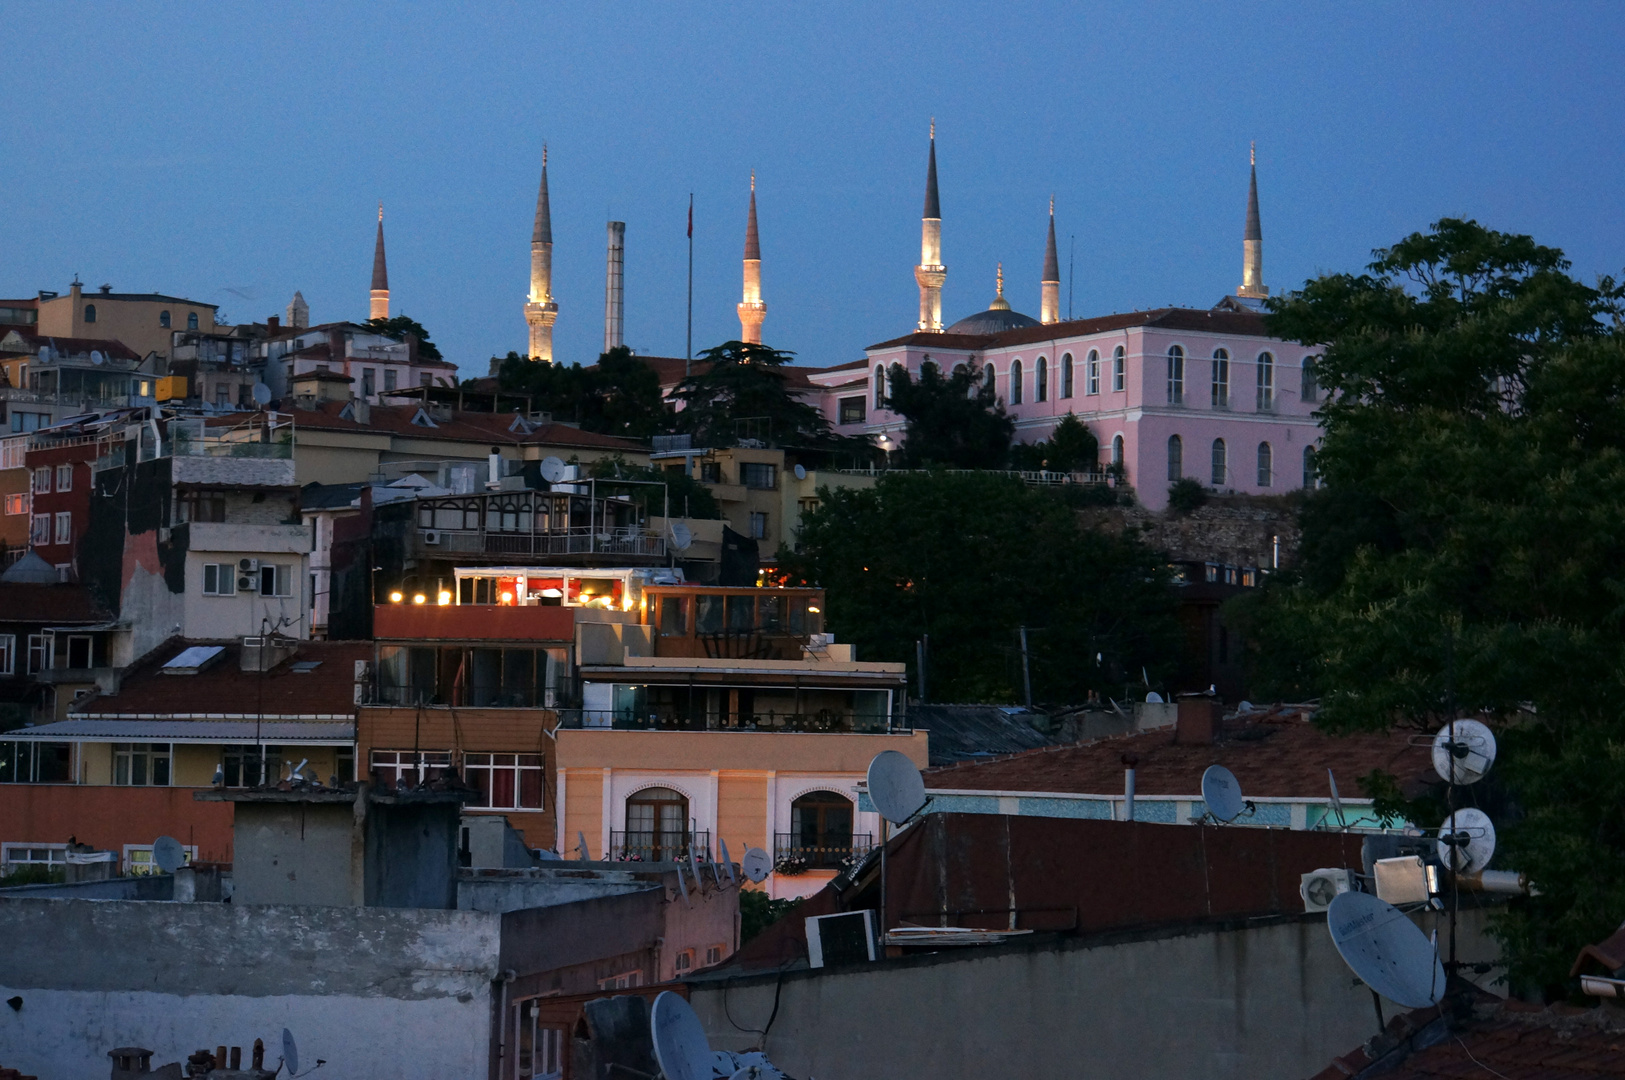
<point x="72" y="346"/>
<point x="1246" y="323"/>
<point x="1276" y="754"/>
<point x="224" y="688"/>
<point x="1491" y="1038"/>
<point x="462" y="427"/>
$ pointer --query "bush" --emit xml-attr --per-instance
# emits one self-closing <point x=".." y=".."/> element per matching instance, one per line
<point x="1186" y="495"/>
<point x="758" y="911"/>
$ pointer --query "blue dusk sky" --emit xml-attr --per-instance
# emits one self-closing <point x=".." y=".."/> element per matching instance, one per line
<point x="234" y="153"/>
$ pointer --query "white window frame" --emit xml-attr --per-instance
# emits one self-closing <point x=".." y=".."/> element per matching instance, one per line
<point x="42" y="480"/>
<point x="8" y="654"/>
<point x="56" y="854"/>
<point x="1266" y="382"/>
<point x="14" y="453"/>
<point x="1176" y="375"/>
<point x="281" y="579"/>
<point x="1266" y="465"/>
<point x="1119" y="370"/>
<point x="39" y="649"/>
<point x="225" y="573"/>
<point x="1091" y="384"/>
<point x="138" y="859"/>
<point x="17" y="503"/>
<point x="128" y="752"/>
<point x="491" y="766"/>
<point x="64" y="527"/>
<point x="1221" y="378"/>
<point x="64" y="476"/>
<point x="39" y="530"/>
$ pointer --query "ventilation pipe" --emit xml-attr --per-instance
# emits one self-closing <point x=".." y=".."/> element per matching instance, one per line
<point x="493" y="469"/>
<point x="614" y="299"/>
<point x="1129" y="761"/>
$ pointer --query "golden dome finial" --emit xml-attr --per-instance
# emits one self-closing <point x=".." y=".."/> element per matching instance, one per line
<point x="999" y="302"/>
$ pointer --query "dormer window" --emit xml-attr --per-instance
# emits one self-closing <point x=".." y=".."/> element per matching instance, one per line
<point x="163" y="319"/>
<point x="422" y="419"/>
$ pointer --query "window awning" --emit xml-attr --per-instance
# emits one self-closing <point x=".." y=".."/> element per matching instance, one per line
<point x="216" y="732"/>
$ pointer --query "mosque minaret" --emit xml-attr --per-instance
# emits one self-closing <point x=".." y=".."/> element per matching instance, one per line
<point x="541" y="311"/>
<point x="931" y="273"/>
<point x="751" y="309"/>
<point x="379" y="308"/>
<point x="1252" y="243"/>
<point x="1049" y="303"/>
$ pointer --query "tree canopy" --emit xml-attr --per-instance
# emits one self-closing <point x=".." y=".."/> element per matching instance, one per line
<point x="968" y="559"/>
<point x="1071" y="447"/>
<point x="400" y="326"/>
<point x="740" y="390"/>
<point x="619" y="395"/>
<point x="1468" y="549"/>
<point x="954" y="420"/>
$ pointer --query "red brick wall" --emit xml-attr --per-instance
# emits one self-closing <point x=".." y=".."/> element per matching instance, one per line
<point x="107" y="818"/>
<point x="408" y="622"/>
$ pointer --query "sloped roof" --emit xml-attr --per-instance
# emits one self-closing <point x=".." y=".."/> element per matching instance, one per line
<point x="1191" y="320"/>
<point x="47" y="604"/>
<point x="1274" y="754"/>
<point x="461" y="427"/>
<point x="976" y="732"/>
<point x="73" y="346"/>
<point x="223" y="690"/>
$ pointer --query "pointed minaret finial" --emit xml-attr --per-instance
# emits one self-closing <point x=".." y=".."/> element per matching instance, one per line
<point x="1252" y="153"/>
<point x="544" y="155"/>
<point x="380" y="213"/>
<point x="753" y="181"/>
<point x="541" y="311"/>
<point x="931" y="273"/>
<point x="1252" y="239"/>
<point x="751" y="309"/>
<point x="1049" y="288"/>
<point x="378" y="308"/>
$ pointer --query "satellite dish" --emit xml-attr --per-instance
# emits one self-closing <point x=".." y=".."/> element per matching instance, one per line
<point x="681" y="1048"/>
<point x="1337" y="800"/>
<point x="290" y="1052"/>
<point x="682" y="537"/>
<point x="1153" y="698"/>
<point x="168" y="854"/>
<point x="45" y="354"/>
<point x="262" y="394"/>
<point x="553" y="469"/>
<point x="1222" y="793"/>
<point x="1244" y="706"/>
<point x="95" y="356"/>
<point x="726" y="860"/>
<point x="895" y="786"/>
<point x="801" y="472"/>
<point x="1386" y="950"/>
<point x="756" y="863"/>
<point x="1477" y="846"/>
<point x="1465" y="757"/>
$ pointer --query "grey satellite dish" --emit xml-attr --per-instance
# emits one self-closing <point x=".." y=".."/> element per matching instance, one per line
<point x="1222" y="793"/>
<point x="801" y="472"/>
<point x="168" y="854"/>
<point x="262" y="394"/>
<point x="1386" y="950"/>
<point x="553" y="469"/>
<point x="895" y="786"/>
<point x="1153" y="698"/>
<point x="45" y="354"/>
<point x="681" y="1048"/>
<point x="290" y="1052"/>
<point x="1244" y="706"/>
<point x="95" y="356"/>
<point x="1478" y="844"/>
<point x="756" y="863"/>
<point x="682" y="537"/>
<point x="1337" y="800"/>
<point x="726" y="861"/>
<point x="1465" y="756"/>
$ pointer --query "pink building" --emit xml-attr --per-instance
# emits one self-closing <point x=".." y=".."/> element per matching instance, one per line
<point x="1169" y="393"/>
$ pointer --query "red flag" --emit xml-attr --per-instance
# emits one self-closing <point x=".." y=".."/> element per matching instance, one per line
<point x="691" y="217"/>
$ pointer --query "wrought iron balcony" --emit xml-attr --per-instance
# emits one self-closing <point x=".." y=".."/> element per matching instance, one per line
<point x="823" y="722"/>
<point x="796" y="852"/>
<point x="660" y="845"/>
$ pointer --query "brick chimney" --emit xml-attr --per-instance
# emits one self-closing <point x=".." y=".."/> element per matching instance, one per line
<point x="273" y="323"/>
<point x="1197" y="723"/>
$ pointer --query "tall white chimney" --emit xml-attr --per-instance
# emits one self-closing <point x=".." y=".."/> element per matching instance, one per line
<point x="614" y="299"/>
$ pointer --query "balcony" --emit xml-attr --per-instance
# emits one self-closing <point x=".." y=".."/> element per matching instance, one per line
<point x="660" y="846"/>
<point x="611" y="545"/>
<point x="823" y="722"/>
<point x="794" y="853"/>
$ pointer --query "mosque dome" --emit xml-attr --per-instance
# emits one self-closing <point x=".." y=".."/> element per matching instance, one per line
<point x="996" y="319"/>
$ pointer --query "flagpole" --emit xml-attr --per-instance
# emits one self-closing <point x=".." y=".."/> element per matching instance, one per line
<point x="689" y="355"/>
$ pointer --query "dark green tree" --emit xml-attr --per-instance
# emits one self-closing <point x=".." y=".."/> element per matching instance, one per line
<point x="740" y="390"/>
<point x="688" y="497"/>
<point x="400" y="326"/>
<point x="954" y="420"/>
<point x="1466" y="552"/>
<point x="967" y="559"/>
<point x="619" y="395"/>
<point x="1071" y="447"/>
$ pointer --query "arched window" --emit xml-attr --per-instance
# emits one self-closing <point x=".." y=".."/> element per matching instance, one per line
<point x="1117" y="449"/>
<point x="1119" y="370"/>
<point x="1015" y="382"/>
<point x="163" y="319"/>
<point x="90" y="313"/>
<point x="1221" y="379"/>
<point x="656" y="826"/>
<point x="1176" y="458"/>
<point x="991" y="378"/>
<point x="1310" y="392"/>
<point x="820" y="831"/>
<point x="1176" y="375"/>
<point x="959" y="369"/>
<point x="880" y="388"/>
<point x="1266" y="464"/>
<point x="1311" y="477"/>
<point x="1041" y="391"/>
<point x="1066" y="376"/>
<point x="1221" y="463"/>
<point x="1091" y="373"/>
<point x="1266" y="382"/>
<point x="191" y="320"/>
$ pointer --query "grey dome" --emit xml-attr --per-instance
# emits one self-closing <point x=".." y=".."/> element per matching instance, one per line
<point x="991" y="321"/>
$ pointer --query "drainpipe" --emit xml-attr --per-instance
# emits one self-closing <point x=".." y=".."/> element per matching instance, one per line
<point x="1129" y="761"/>
<point x="503" y="980"/>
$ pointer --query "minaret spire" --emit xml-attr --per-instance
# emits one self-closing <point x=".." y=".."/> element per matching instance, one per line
<point x="380" y="274"/>
<point x="540" y="309"/>
<point x="1049" y="304"/>
<point x="1252" y="241"/>
<point x="751" y="309"/>
<point x="931" y="273"/>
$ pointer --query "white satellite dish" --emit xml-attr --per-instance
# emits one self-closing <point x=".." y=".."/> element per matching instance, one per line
<point x="1477" y="835"/>
<point x="726" y="861"/>
<point x="1464" y="756"/>
<point x="1386" y="950"/>
<point x="1153" y="698"/>
<point x="682" y="537"/>
<point x="290" y="1052"/>
<point x="45" y="354"/>
<point x="1221" y="792"/>
<point x="262" y="394"/>
<point x="756" y="863"/>
<point x="801" y="472"/>
<point x="168" y="854"/>
<point x="95" y="356"/>
<point x="553" y="469"/>
<point x="1337" y="800"/>
<point x="681" y="1048"/>
<point x="895" y="786"/>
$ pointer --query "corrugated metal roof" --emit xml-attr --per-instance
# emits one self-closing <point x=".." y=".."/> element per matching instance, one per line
<point x="307" y="732"/>
<point x="972" y="732"/>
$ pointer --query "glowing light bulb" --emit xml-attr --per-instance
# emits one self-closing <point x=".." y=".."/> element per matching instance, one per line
<point x="445" y="598"/>
<point x="419" y="598"/>
<point x="507" y="598"/>
<point x="395" y="598"/>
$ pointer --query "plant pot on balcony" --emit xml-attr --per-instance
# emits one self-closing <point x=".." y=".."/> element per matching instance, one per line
<point x="790" y="866"/>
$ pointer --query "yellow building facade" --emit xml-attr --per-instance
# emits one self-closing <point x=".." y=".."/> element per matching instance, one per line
<point x="142" y="321"/>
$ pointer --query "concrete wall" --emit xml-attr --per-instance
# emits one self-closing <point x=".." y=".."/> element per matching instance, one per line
<point x="294" y="853"/>
<point x="1231" y="1003"/>
<point x="366" y="989"/>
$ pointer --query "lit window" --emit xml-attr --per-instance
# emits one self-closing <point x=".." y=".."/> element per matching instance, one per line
<point x="1266" y="382"/>
<point x="64" y="477"/>
<point x="141" y="764"/>
<point x="1041" y="386"/>
<point x="1119" y="370"/>
<point x="1066" y="376"/>
<point x="1091" y="373"/>
<point x="1015" y="382"/>
<point x="1176" y="457"/>
<point x="90" y="313"/>
<point x="1266" y="464"/>
<point x="1221" y="463"/>
<point x="1221" y="379"/>
<point x="64" y="527"/>
<point x="163" y="319"/>
<point x="1176" y="375"/>
<point x="17" y="503"/>
<point x="138" y="859"/>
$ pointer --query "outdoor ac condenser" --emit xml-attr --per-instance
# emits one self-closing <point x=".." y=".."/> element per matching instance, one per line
<point x="1319" y="887"/>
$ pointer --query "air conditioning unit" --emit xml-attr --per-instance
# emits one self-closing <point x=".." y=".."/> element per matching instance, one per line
<point x="1319" y="887"/>
<point x="847" y="938"/>
<point x="248" y="566"/>
<point x="431" y="536"/>
<point x="245" y="584"/>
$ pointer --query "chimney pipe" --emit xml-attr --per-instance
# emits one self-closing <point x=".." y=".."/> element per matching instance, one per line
<point x="259" y="1054"/>
<point x="273" y="323"/>
<point x="237" y="1057"/>
<point x="1129" y="761"/>
<point x="493" y="471"/>
<point x="614" y="284"/>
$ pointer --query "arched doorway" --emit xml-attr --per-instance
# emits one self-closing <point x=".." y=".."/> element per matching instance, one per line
<point x="820" y="834"/>
<point x="656" y="826"/>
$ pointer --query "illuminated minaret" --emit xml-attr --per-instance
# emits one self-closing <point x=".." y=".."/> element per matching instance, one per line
<point x="1252" y="242"/>
<point x="1049" y="303"/>
<point x="540" y="310"/>
<point x="931" y="273"/>
<point x="380" y="274"/>
<point x="751" y="309"/>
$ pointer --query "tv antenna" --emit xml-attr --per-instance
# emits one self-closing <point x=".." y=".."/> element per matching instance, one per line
<point x="1466" y="841"/>
<point x="898" y="792"/>
<point x="262" y="394"/>
<point x="1388" y="952"/>
<point x="726" y="861"/>
<point x="1337" y="800"/>
<point x="1221" y="794"/>
<point x="1463" y="752"/>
